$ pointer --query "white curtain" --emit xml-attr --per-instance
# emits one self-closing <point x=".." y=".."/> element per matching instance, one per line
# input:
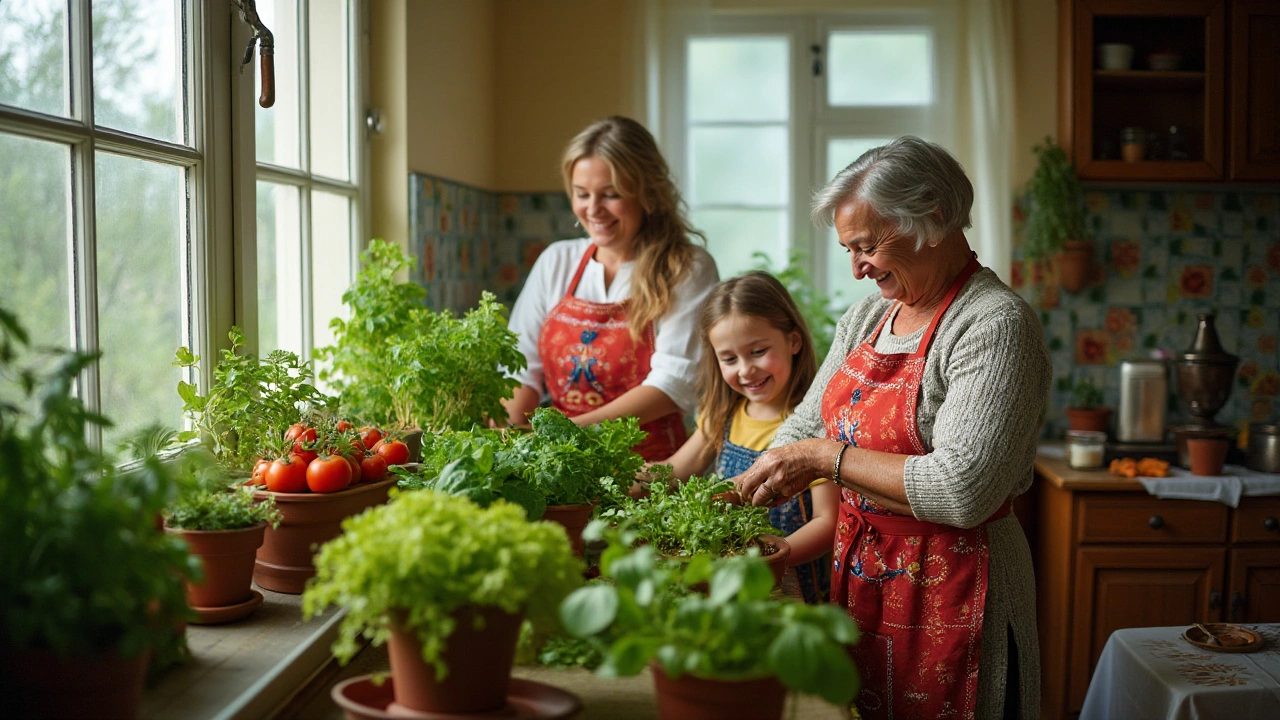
<point x="985" y="127"/>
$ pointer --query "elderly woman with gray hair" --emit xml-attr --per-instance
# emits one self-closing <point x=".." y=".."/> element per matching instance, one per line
<point x="926" y="414"/>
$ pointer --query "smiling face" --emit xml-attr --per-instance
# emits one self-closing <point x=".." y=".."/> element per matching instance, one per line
<point x="612" y="221"/>
<point x="755" y="360"/>
<point x="879" y="251"/>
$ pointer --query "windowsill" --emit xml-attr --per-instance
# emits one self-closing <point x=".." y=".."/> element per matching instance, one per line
<point x="246" y="669"/>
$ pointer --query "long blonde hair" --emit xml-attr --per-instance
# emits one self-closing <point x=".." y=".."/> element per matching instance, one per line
<point x="754" y="295"/>
<point x="663" y="248"/>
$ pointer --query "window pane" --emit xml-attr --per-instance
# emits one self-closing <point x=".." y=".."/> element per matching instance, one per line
<point x="33" y="55"/>
<point x="330" y="91"/>
<point x="879" y="68"/>
<point x="843" y="151"/>
<point x="276" y="129"/>
<point x="733" y="235"/>
<point x="738" y="78"/>
<point x="143" y="308"/>
<point x="330" y="261"/>
<point x="34" y="257"/>
<point x="738" y="165"/>
<point x="279" y="268"/>
<point x="138" y="78"/>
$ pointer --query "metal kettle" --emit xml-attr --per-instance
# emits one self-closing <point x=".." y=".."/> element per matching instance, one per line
<point x="1144" y="393"/>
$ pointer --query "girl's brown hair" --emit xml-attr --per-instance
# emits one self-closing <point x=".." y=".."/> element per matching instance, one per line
<point x="663" y="249"/>
<point x="754" y="295"/>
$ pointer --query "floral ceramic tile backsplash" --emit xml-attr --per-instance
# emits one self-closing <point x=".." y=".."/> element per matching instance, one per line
<point x="467" y="240"/>
<point x="1163" y="257"/>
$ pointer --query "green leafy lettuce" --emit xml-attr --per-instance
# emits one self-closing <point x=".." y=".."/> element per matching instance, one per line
<point x="574" y="465"/>
<point x="684" y="519"/>
<point x="426" y="555"/>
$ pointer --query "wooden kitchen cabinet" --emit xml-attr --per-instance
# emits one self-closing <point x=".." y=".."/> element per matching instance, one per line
<point x="1110" y="556"/>
<point x="1255" y="90"/>
<point x="1215" y="117"/>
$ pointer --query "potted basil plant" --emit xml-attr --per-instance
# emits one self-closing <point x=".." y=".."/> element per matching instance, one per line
<point x="731" y="653"/>
<point x="445" y="583"/>
<point x="1087" y="411"/>
<point x="89" y="584"/>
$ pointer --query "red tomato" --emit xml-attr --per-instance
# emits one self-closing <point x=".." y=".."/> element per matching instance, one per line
<point x="373" y="468"/>
<point x="394" y="452"/>
<point x="370" y="436"/>
<point x="260" y="472"/>
<point x="288" y="474"/>
<point x="301" y="432"/>
<point x="354" y="462"/>
<point x="343" y="426"/>
<point x="306" y="455"/>
<point x="328" y="473"/>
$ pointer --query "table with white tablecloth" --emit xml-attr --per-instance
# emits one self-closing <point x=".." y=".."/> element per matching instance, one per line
<point x="1155" y="673"/>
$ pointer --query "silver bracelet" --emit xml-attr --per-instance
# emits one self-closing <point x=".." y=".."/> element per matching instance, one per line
<point x="835" y="477"/>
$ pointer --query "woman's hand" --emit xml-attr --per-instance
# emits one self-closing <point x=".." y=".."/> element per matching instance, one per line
<point x="783" y="472"/>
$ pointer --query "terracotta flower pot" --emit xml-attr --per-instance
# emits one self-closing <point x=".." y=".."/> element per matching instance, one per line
<point x="1073" y="264"/>
<point x="413" y="440"/>
<point x="479" y="663"/>
<point x="777" y="560"/>
<point x="309" y="520"/>
<point x="1088" y="418"/>
<point x="1207" y="455"/>
<point x="41" y="683"/>
<point x="228" y="559"/>
<point x="573" y="518"/>
<point x="694" y="698"/>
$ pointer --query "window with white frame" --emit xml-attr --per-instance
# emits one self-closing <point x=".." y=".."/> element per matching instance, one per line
<point x="308" y="174"/>
<point x="761" y="111"/>
<point x="107" y="187"/>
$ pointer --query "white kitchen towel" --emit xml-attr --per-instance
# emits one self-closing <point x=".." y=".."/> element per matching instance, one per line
<point x="1234" y="483"/>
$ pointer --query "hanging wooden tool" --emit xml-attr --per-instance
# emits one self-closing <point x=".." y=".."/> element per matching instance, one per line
<point x="266" y="50"/>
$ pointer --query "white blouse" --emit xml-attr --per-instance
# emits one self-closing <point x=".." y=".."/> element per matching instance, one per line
<point x="677" y="347"/>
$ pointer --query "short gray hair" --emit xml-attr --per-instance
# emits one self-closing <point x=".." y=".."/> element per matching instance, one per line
<point x="913" y="183"/>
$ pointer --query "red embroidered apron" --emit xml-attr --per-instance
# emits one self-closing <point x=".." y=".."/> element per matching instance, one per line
<point x="916" y="589"/>
<point x="589" y="359"/>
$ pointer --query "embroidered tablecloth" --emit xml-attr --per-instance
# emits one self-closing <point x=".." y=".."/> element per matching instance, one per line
<point x="1154" y="673"/>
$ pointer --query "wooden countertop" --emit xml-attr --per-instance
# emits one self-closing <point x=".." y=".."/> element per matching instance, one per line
<point x="1052" y="466"/>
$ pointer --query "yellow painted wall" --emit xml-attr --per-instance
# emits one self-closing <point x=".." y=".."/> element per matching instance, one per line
<point x="1035" y="78"/>
<point x="450" y="61"/>
<point x="561" y="64"/>
<point x="388" y="174"/>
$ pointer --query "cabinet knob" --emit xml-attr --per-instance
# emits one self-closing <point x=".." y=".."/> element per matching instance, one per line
<point x="1271" y="524"/>
<point x="1156" y="522"/>
<point x="1215" y="599"/>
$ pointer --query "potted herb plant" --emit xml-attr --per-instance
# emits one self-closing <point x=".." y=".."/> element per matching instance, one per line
<point x="446" y="584"/>
<point x="252" y="410"/>
<point x="89" y="584"/>
<point x="576" y="467"/>
<point x="1087" y="411"/>
<point x="224" y="525"/>
<point x="682" y="520"/>
<point x="730" y="654"/>
<point x="1055" y="221"/>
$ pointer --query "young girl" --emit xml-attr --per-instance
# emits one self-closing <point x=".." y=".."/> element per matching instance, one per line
<point x="757" y="363"/>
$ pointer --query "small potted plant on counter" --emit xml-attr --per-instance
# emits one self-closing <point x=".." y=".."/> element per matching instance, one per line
<point x="729" y="654"/>
<point x="445" y="584"/>
<point x="89" y="584"/>
<point x="1055" y="221"/>
<point x="1087" y="411"/>
<point x="224" y="525"/>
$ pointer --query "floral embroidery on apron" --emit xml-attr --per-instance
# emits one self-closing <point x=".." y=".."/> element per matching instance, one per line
<point x="916" y="589"/>
<point x="589" y="360"/>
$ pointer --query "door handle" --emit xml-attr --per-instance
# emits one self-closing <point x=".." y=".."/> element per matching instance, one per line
<point x="1215" y="599"/>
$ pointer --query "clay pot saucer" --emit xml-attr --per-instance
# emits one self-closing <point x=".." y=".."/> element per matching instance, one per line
<point x="227" y="613"/>
<point x="360" y="699"/>
<point x="1230" y="638"/>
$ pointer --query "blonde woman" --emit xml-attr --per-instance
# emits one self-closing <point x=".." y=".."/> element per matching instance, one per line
<point x="608" y="323"/>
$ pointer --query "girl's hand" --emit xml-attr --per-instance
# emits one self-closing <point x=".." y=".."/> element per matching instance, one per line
<point x="782" y="473"/>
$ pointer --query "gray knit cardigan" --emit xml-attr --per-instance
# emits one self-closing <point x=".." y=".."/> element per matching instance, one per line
<point x="986" y="380"/>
